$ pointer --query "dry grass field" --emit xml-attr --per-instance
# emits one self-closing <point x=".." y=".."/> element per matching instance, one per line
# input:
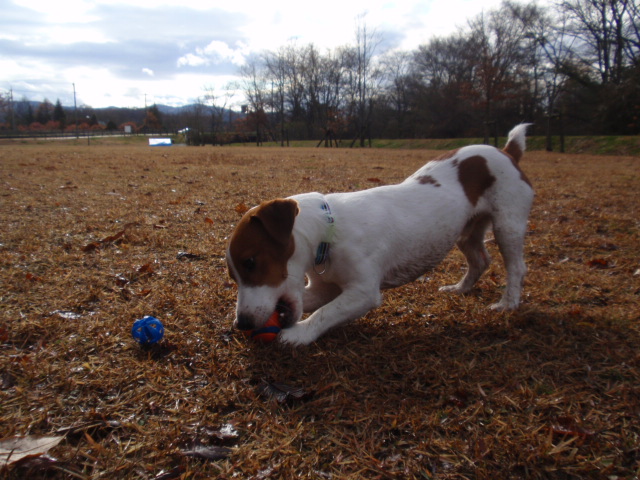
<point x="429" y="385"/>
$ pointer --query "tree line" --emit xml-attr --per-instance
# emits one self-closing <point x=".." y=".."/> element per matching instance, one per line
<point x="574" y="66"/>
<point x="27" y="116"/>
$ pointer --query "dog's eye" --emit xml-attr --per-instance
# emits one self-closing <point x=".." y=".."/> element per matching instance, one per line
<point x="249" y="264"/>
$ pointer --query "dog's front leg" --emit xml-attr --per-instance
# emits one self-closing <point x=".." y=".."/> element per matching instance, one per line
<point x="349" y="305"/>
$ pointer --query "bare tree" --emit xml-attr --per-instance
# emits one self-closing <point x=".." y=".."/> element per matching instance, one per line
<point x="276" y="74"/>
<point x="445" y="61"/>
<point x="313" y="83"/>
<point x="396" y="67"/>
<point x="295" y="61"/>
<point x="550" y="51"/>
<point x="216" y="102"/>
<point x="443" y="73"/>
<point x="6" y="106"/>
<point x="253" y="84"/>
<point x="497" y="43"/>
<point x="608" y="34"/>
<point x="325" y="93"/>
<point x="363" y="75"/>
<point x="196" y="117"/>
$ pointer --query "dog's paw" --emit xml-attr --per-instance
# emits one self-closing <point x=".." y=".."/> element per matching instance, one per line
<point x="453" y="289"/>
<point x="296" y="336"/>
<point x="503" y="306"/>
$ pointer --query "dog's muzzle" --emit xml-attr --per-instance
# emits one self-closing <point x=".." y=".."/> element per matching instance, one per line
<point x="284" y="308"/>
<point x="244" y="322"/>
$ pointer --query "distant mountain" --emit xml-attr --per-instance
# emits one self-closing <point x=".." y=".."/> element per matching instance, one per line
<point x="175" y="110"/>
<point x="165" y="109"/>
<point x="173" y="117"/>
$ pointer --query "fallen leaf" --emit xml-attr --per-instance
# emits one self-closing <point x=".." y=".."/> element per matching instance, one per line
<point x="108" y="240"/>
<point x="575" y="310"/>
<point x="226" y="433"/>
<point x="171" y="474"/>
<point x="599" y="263"/>
<point x="208" y="453"/>
<point x="33" y="278"/>
<point x="264" y="474"/>
<point x="459" y="398"/>
<point x="147" y="268"/>
<point x="113" y="238"/>
<point x="67" y="314"/>
<point x="565" y="426"/>
<point x="188" y="256"/>
<point x="241" y="208"/>
<point x="14" y="449"/>
<point x="576" y="431"/>
<point x="36" y="463"/>
<point x="283" y="394"/>
<point x="90" y="247"/>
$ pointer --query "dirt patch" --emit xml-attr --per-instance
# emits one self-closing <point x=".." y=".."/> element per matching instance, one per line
<point x="426" y="386"/>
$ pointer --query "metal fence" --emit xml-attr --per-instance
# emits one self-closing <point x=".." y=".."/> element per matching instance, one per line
<point x="53" y="135"/>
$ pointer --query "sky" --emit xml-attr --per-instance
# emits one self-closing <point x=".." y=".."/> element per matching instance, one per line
<point x="136" y="52"/>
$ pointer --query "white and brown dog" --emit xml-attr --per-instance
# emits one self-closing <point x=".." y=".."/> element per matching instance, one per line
<point x="333" y="254"/>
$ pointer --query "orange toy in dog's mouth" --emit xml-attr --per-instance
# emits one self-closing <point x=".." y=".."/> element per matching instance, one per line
<point x="268" y="332"/>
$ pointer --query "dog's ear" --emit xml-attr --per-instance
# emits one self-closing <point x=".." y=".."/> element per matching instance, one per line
<point x="277" y="217"/>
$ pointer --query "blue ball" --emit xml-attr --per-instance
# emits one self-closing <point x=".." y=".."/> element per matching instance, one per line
<point x="147" y="330"/>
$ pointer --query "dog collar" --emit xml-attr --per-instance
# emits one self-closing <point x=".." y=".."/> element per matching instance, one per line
<point x="322" y="253"/>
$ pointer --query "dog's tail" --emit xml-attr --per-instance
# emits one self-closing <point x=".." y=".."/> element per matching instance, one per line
<point x="516" y="142"/>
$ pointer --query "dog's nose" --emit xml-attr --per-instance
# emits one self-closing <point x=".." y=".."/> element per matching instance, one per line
<point x="244" y="322"/>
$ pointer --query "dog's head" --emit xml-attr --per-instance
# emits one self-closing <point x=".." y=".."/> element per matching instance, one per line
<point x="258" y="260"/>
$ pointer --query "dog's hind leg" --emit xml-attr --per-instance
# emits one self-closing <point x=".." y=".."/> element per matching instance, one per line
<point x="510" y="239"/>
<point x="471" y="243"/>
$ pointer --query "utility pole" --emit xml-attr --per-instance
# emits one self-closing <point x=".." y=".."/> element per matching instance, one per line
<point x="75" y="108"/>
<point x="12" y="114"/>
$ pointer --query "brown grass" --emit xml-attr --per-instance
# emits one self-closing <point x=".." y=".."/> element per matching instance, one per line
<point x="426" y="386"/>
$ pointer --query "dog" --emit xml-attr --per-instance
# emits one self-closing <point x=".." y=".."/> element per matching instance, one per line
<point x="333" y="254"/>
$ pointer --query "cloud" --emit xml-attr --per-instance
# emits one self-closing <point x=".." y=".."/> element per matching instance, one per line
<point x="215" y="53"/>
<point x="115" y="51"/>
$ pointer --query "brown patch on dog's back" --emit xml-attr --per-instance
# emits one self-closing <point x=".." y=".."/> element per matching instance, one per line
<point x="475" y="178"/>
<point x="428" y="180"/>
<point x="262" y="243"/>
